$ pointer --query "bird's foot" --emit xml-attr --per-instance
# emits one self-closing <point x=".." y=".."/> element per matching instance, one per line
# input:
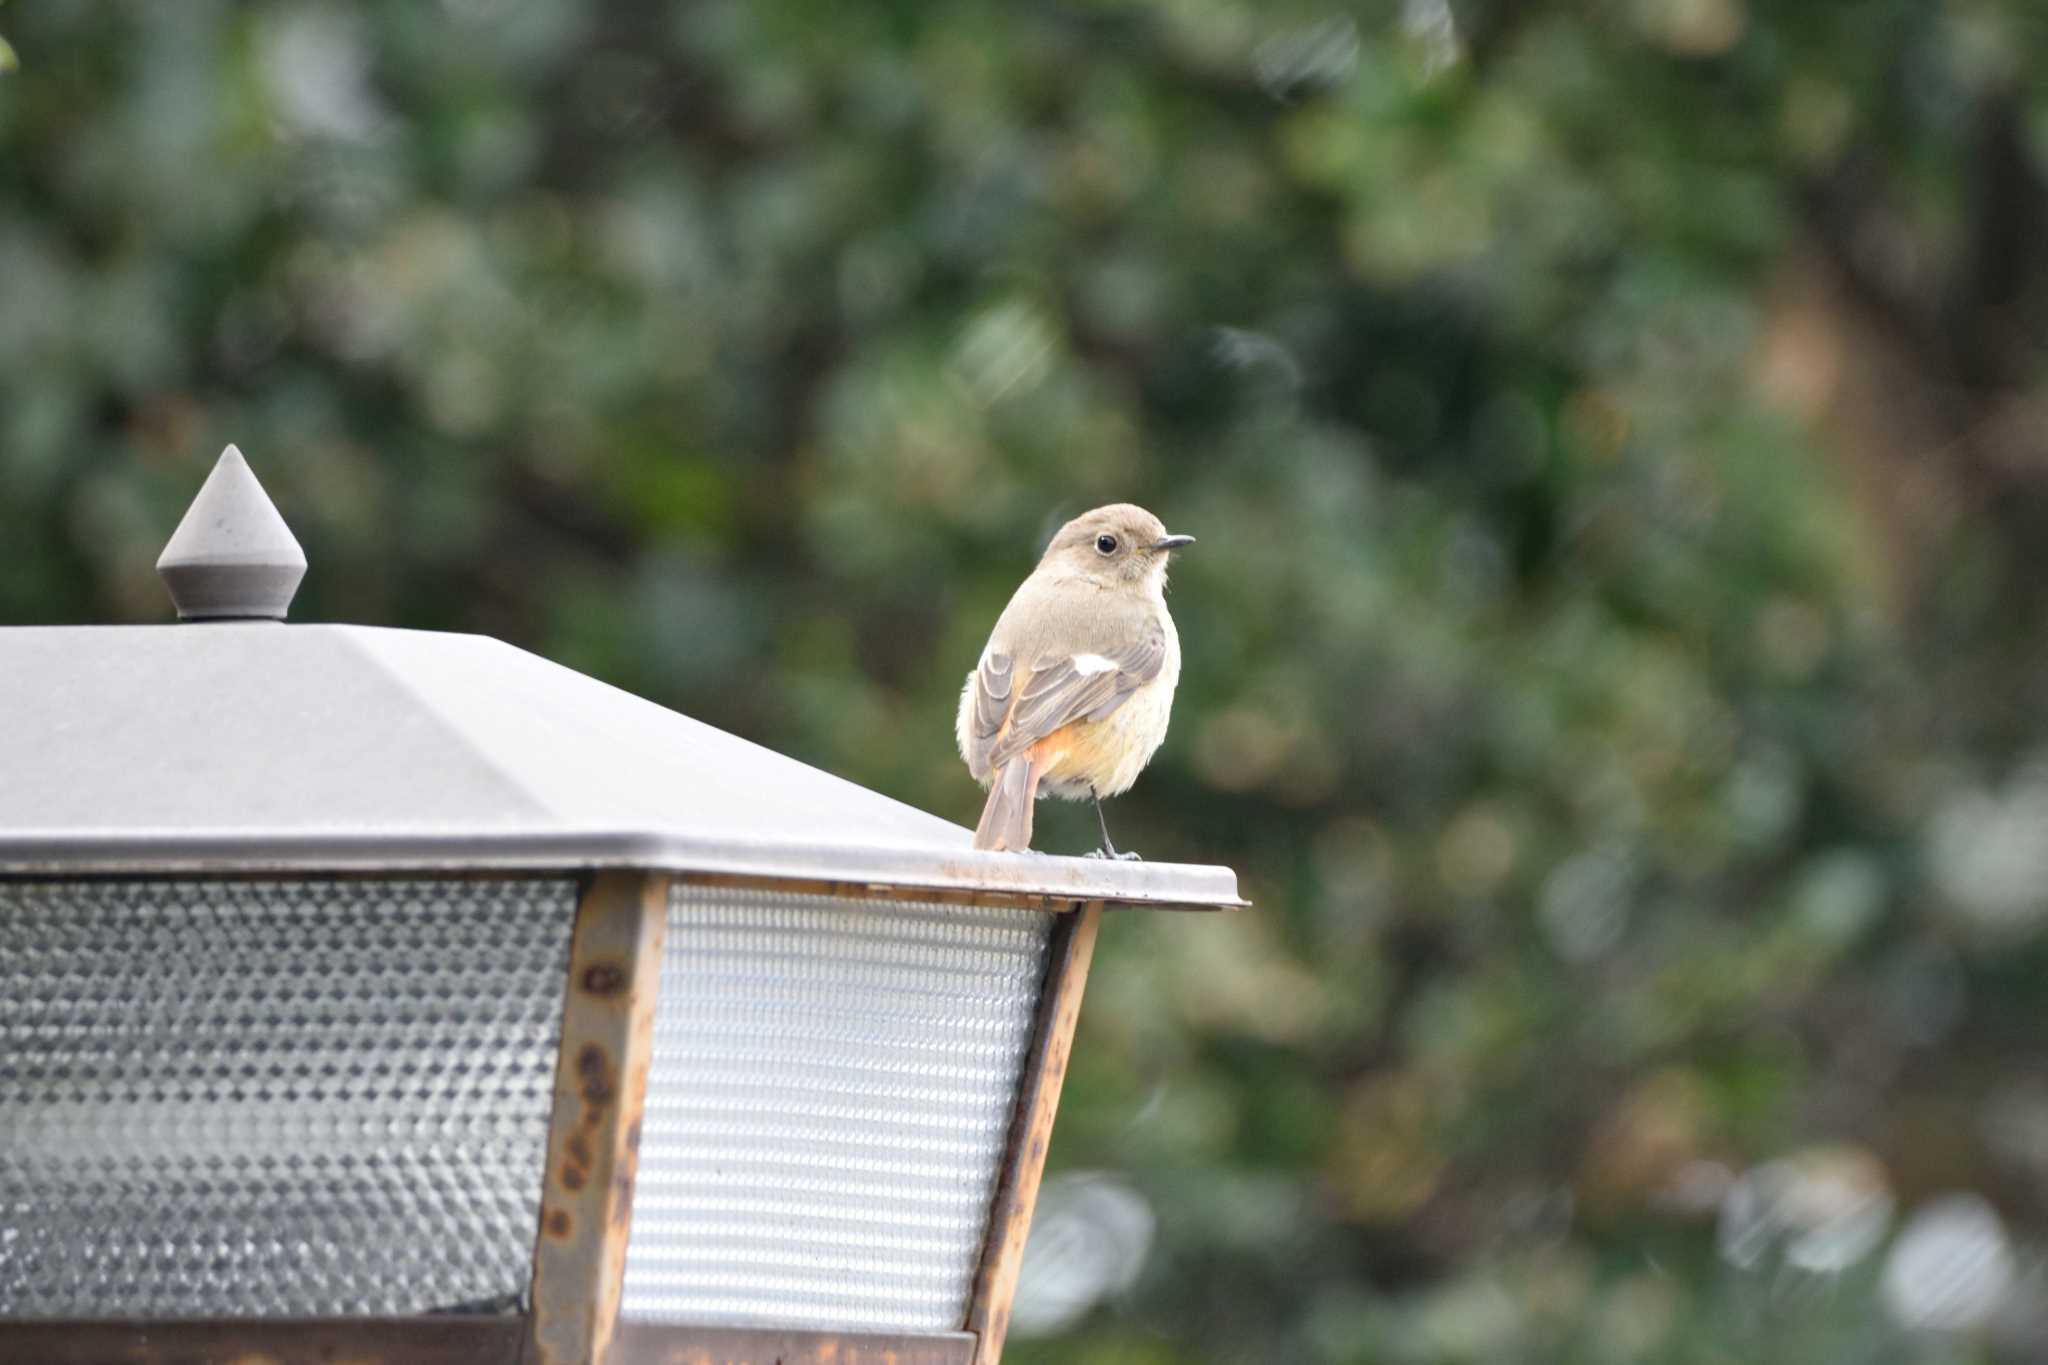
<point x="1114" y="856"/>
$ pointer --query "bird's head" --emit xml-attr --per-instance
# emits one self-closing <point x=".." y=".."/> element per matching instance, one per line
<point x="1120" y="543"/>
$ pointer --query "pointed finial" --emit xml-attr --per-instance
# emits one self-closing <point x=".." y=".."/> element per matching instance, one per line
<point x="232" y="557"/>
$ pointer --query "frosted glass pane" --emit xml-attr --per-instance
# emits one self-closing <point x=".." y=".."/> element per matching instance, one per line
<point x="830" y="1099"/>
<point x="274" y="1098"/>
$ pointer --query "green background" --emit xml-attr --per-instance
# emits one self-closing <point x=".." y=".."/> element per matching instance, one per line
<point x="1618" y="439"/>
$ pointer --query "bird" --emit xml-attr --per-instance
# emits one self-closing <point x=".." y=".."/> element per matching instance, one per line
<point x="1072" y="695"/>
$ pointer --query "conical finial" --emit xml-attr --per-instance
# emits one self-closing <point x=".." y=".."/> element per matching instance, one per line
<point x="232" y="557"/>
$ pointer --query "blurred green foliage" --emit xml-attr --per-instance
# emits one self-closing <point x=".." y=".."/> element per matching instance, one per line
<point x="1616" y="659"/>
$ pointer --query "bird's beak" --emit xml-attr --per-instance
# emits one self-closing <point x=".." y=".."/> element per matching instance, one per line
<point x="1172" y="542"/>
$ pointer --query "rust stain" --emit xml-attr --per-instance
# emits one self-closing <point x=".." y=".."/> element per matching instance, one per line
<point x="633" y="1137"/>
<point x="598" y="1091"/>
<point x="576" y="1162"/>
<point x="595" y="1069"/>
<point x="558" y="1224"/>
<point x="622" y="1197"/>
<point x="604" y="978"/>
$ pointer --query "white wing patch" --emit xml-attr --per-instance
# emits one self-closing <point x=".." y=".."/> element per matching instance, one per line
<point x="1088" y="665"/>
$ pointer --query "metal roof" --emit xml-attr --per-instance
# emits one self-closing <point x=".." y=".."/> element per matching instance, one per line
<point x="253" y="744"/>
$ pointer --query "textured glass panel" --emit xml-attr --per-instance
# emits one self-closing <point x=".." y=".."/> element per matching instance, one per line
<point x="831" y="1095"/>
<point x="275" y="1098"/>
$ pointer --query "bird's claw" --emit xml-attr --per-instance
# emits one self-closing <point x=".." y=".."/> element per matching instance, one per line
<point x="1114" y="856"/>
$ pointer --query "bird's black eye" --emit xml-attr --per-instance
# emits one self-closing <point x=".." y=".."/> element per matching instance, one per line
<point x="1106" y="544"/>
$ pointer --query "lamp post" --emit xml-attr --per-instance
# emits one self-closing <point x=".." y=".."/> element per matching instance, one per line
<point x="389" y="995"/>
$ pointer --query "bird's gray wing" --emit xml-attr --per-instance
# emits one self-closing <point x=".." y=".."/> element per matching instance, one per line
<point x="1059" y="689"/>
<point x="994" y="693"/>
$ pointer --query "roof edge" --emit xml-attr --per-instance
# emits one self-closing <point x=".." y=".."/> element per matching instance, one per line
<point x="1028" y="878"/>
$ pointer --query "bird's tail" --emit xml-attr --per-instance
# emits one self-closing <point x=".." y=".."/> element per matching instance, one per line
<point x="1006" y="819"/>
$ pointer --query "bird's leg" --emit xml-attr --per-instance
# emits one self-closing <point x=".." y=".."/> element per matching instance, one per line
<point x="1103" y="821"/>
<point x="1108" y="849"/>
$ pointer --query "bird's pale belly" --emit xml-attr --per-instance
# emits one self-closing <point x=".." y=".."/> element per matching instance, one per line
<point x="1104" y="757"/>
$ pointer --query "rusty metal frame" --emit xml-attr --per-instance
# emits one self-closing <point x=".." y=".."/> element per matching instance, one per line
<point x="1038" y="1100"/>
<point x="593" y="1151"/>
<point x="451" y="1341"/>
<point x="328" y="1341"/>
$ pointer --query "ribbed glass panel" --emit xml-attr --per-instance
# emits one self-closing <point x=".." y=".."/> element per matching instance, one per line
<point x="274" y="1098"/>
<point x="831" y="1096"/>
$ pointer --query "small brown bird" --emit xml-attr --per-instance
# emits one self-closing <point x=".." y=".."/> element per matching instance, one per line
<point x="1072" y="695"/>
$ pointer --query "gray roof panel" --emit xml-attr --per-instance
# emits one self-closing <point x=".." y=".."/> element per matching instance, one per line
<point x="264" y="746"/>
